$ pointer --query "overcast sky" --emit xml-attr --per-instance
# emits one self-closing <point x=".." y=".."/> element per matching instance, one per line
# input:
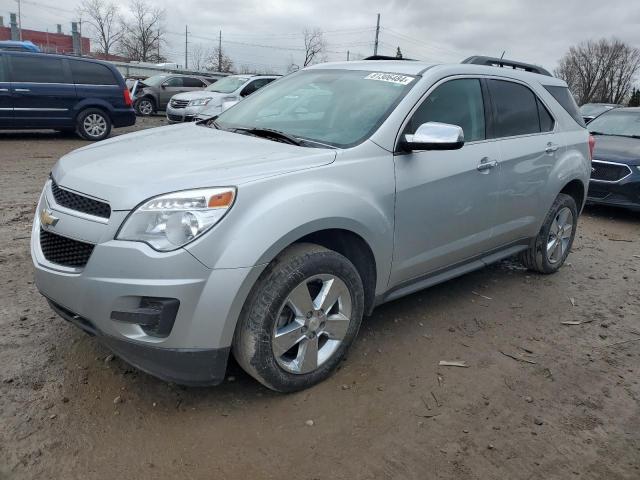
<point x="268" y="33"/>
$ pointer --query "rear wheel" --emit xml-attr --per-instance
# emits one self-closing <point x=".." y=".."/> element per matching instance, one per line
<point x="300" y="318"/>
<point x="549" y="250"/>
<point x="144" y="106"/>
<point x="93" y="124"/>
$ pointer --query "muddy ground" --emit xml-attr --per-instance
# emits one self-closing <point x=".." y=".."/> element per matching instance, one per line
<point x="539" y="399"/>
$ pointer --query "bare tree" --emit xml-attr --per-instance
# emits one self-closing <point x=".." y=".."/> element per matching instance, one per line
<point x="142" y="33"/>
<point x="198" y="56"/>
<point x="219" y="61"/>
<point x="600" y="71"/>
<point x="103" y="18"/>
<point x="314" y="46"/>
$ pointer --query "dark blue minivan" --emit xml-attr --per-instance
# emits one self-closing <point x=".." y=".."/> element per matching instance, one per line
<point x="42" y="91"/>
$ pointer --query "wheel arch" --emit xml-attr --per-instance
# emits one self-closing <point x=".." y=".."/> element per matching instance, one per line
<point x="577" y="190"/>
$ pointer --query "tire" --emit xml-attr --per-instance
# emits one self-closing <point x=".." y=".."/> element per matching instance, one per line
<point x="538" y="257"/>
<point x="270" y="311"/>
<point x="144" y="107"/>
<point x="93" y="124"/>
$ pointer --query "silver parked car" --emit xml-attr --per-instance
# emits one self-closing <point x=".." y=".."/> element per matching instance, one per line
<point x="213" y="100"/>
<point x="271" y="230"/>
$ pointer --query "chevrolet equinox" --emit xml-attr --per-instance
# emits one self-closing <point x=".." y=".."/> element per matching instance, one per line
<point x="270" y="230"/>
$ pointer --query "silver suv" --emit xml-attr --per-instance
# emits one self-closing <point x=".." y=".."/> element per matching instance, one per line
<point x="270" y="231"/>
<point x="216" y="98"/>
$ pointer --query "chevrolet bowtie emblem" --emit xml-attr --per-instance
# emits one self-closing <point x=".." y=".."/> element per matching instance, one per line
<point x="46" y="217"/>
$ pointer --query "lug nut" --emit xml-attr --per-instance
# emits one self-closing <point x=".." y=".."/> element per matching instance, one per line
<point x="322" y="324"/>
<point x="304" y="329"/>
<point x="309" y="314"/>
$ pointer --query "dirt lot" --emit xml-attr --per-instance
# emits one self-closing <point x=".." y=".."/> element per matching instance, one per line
<point x="539" y="399"/>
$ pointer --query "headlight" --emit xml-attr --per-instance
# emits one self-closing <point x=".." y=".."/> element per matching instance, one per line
<point x="170" y="221"/>
<point x="198" y="102"/>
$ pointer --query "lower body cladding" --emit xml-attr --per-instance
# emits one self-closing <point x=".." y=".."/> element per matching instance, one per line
<point x="166" y="314"/>
<point x="621" y="193"/>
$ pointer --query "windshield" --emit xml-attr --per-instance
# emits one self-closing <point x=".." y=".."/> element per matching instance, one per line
<point x="155" y="80"/>
<point x="227" y="84"/>
<point x="617" y="122"/>
<point x="340" y="108"/>
<point x="593" y="109"/>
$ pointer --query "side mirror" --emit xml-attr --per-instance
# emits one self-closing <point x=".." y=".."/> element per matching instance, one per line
<point x="434" y="136"/>
<point x="163" y="86"/>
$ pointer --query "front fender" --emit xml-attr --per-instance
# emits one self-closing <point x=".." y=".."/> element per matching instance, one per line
<point x="273" y="213"/>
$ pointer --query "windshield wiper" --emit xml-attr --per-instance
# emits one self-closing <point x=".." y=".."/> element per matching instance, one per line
<point x="598" y="133"/>
<point x="270" y="133"/>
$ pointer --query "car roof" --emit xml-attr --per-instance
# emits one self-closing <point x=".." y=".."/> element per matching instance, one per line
<point x="410" y="67"/>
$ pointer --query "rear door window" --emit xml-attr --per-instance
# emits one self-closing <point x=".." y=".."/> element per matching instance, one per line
<point x="457" y="102"/>
<point x="516" y="109"/>
<point x="546" y="120"/>
<point x="37" y="69"/>
<point x="193" y="82"/>
<point x="88" y="73"/>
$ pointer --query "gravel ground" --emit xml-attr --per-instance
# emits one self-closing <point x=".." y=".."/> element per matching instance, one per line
<point x="539" y="399"/>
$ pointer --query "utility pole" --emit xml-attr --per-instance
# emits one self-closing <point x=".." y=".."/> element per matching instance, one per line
<point x="80" y="39"/>
<point x="20" y="18"/>
<point x="375" y="45"/>
<point x="347" y="55"/>
<point x="220" y="52"/>
<point x="186" y="47"/>
<point x="158" y="46"/>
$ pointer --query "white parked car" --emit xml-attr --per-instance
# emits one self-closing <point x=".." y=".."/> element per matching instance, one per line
<point x="216" y="98"/>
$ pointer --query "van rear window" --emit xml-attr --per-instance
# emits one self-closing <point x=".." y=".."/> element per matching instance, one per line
<point x="564" y="98"/>
<point x="88" y="73"/>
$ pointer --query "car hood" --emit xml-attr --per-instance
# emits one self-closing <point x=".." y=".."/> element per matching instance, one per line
<point x="617" y="149"/>
<point x="199" y="94"/>
<point x="129" y="169"/>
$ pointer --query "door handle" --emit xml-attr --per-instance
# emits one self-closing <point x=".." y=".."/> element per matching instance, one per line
<point x="485" y="164"/>
<point x="551" y="147"/>
<point x="21" y="90"/>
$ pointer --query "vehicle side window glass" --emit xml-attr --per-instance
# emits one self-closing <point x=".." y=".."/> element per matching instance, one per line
<point x="193" y="82"/>
<point x="546" y="120"/>
<point x="516" y="109"/>
<point x="457" y="102"/>
<point x="174" y="82"/>
<point x="37" y="69"/>
<point x="3" y="75"/>
<point x="88" y="73"/>
<point x="249" y="89"/>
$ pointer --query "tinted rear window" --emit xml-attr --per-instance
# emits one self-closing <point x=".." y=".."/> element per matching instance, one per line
<point x="516" y="109"/>
<point x="193" y="82"/>
<point x="89" y="73"/>
<point x="37" y="69"/>
<point x="564" y="98"/>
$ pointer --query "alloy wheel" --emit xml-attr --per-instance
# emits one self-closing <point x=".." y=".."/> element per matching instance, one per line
<point x="559" y="235"/>
<point x="95" y="125"/>
<point x="145" y="107"/>
<point x="312" y="323"/>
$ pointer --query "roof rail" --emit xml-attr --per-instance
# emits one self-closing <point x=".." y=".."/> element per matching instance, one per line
<point x="504" y="63"/>
<point x="386" y="57"/>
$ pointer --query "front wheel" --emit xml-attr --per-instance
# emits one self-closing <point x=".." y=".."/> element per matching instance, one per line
<point x="549" y="250"/>
<point x="93" y="124"/>
<point x="300" y="318"/>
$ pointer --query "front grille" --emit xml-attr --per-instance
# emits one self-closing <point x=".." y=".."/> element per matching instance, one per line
<point x="64" y="251"/>
<point x="175" y="103"/>
<point x="175" y="118"/>
<point x="80" y="203"/>
<point x="608" y="172"/>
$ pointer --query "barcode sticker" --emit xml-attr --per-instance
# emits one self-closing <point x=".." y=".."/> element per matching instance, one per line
<point x="390" y="77"/>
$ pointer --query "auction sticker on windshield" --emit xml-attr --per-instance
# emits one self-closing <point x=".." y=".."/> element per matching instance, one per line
<point x="390" y="77"/>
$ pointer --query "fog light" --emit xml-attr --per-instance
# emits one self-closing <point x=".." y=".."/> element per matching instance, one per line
<point x="154" y="315"/>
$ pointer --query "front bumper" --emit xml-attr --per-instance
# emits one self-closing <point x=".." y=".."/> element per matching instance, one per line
<point x="119" y="274"/>
<point x="179" y="115"/>
<point x="624" y="193"/>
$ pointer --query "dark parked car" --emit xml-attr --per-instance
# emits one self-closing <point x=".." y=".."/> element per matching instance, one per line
<point x="18" y="46"/>
<point x="589" y="111"/>
<point x="154" y="93"/>
<point x="615" y="170"/>
<point x="41" y="91"/>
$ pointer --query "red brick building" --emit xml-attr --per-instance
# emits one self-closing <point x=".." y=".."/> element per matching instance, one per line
<point x="48" y="41"/>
